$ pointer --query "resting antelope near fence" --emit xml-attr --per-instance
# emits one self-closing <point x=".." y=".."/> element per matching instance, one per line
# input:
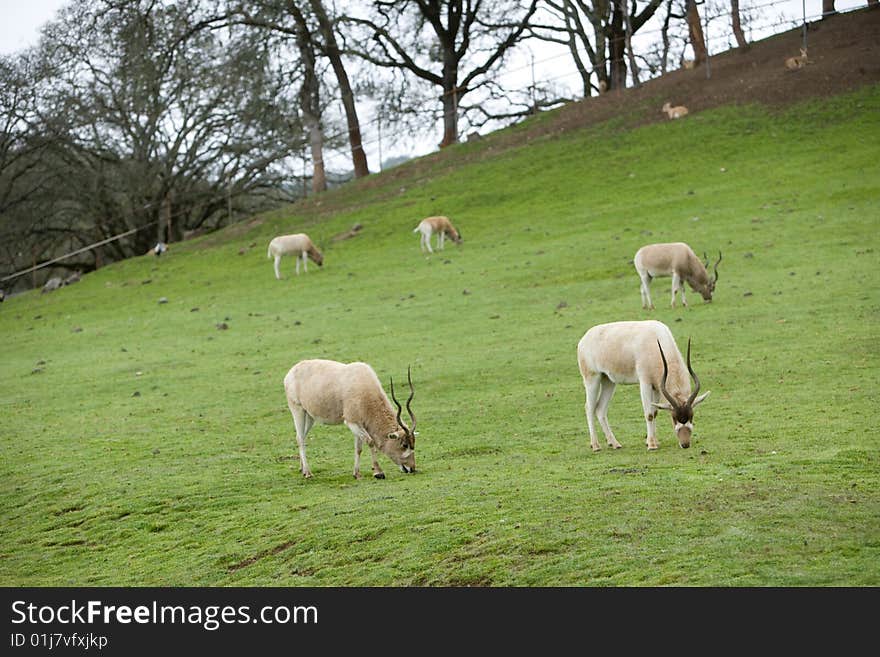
<point x="678" y="260"/>
<point x="331" y="392"/>
<point x="794" y="63"/>
<point x="674" y="112"/>
<point x="644" y="353"/>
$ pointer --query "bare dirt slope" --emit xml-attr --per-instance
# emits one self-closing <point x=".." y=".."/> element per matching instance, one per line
<point x="844" y="52"/>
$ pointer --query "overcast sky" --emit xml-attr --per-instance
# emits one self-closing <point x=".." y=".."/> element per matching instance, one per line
<point x="22" y="19"/>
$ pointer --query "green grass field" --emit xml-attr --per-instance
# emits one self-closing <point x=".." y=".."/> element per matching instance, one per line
<point x="194" y="481"/>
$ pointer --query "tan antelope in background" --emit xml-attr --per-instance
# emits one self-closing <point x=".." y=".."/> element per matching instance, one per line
<point x="331" y="392"/>
<point x="440" y="225"/>
<point x="678" y="260"/>
<point x="794" y="63"/>
<point x="298" y="245"/>
<point x="636" y="352"/>
<point x="674" y="112"/>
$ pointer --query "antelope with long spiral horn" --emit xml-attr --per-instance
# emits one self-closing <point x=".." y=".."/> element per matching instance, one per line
<point x="330" y="392"/>
<point x="678" y="260"/>
<point x="627" y="352"/>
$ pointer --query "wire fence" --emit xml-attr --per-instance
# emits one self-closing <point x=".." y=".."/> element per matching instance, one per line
<point x="342" y="155"/>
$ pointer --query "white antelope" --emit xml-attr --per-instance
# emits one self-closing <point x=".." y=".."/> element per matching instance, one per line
<point x="298" y="245"/>
<point x="334" y="393"/>
<point x="678" y="260"/>
<point x="440" y="225"/>
<point x="674" y="112"/>
<point x="636" y="352"/>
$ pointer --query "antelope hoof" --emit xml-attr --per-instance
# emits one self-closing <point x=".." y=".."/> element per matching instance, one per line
<point x="596" y="448"/>
<point x="357" y="475"/>
<point x="615" y="445"/>
<point x="379" y="475"/>
<point x="307" y="474"/>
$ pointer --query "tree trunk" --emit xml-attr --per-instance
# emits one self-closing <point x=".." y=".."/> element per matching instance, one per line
<point x="741" y="42"/>
<point x="358" y="156"/>
<point x="163" y="231"/>
<point x="828" y="8"/>
<point x="600" y="65"/>
<point x="664" y="34"/>
<point x="451" y="97"/>
<point x="316" y="143"/>
<point x="570" y="15"/>
<point x="695" y="29"/>
<point x="617" y="50"/>
<point x="310" y="99"/>
<point x="633" y="69"/>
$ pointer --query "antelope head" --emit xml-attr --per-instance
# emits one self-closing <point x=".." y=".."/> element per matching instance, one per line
<point x="707" y="291"/>
<point x="400" y="445"/>
<point x="682" y="413"/>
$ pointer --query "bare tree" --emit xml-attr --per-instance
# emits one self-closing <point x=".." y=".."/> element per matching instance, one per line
<point x="148" y="127"/>
<point x="315" y="35"/>
<point x="613" y="24"/>
<point x="20" y="144"/>
<point x="416" y="35"/>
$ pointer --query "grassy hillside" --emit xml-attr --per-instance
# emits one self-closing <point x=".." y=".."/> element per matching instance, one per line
<point x="142" y="445"/>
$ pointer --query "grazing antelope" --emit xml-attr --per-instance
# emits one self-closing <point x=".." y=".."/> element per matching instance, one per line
<point x="674" y="112"/>
<point x="298" y="245"/>
<point x="636" y="352"/>
<point x="334" y="393"/>
<point x="794" y="63"/>
<point x="440" y="225"/>
<point x="678" y="260"/>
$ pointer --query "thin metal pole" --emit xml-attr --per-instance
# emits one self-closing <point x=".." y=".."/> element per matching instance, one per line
<point x="804" y="13"/>
<point x="228" y="198"/>
<point x="379" y="125"/>
<point x="455" y="109"/>
<point x="305" y="187"/>
<point x="534" y="100"/>
<point x="706" y="40"/>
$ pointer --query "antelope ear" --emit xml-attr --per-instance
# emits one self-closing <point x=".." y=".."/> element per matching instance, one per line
<point x="701" y="398"/>
<point x="662" y="405"/>
<point x="393" y="436"/>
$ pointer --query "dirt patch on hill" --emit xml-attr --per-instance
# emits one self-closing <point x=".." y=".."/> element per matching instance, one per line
<point x="844" y="52"/>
